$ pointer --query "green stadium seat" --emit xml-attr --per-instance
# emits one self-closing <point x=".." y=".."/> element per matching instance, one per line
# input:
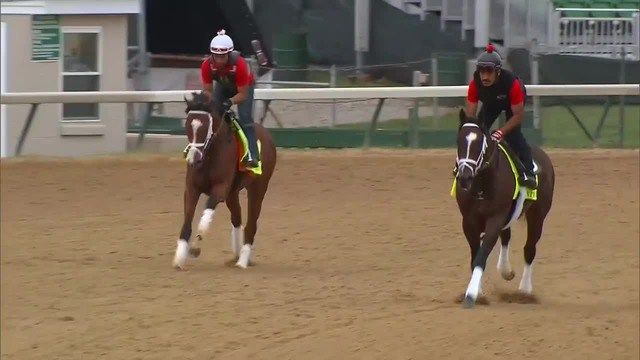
<point x="600" y="4"/>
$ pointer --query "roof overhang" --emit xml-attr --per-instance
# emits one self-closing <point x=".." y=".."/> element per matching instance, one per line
<point x="69" y="7"/>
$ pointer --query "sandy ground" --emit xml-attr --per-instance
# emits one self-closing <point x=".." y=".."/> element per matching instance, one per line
<point x="360" y="255"/>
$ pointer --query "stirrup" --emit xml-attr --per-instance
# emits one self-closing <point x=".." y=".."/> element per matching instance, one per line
<point x="529" y="181"/>
<point x="251" y="162"/>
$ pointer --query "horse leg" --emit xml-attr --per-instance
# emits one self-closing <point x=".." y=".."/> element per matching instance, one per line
<point x="233" y="203"/>
<point x="504" y="266"/>
<point x="207" y="216"/>
<point x="182" y="249"/>
<point x="472" y="233"/>
<point x="255" y="195"/>
<point x="491" y="232"/>
<point x="203" y="227"/>
<point x="534" y="231"/>
<point x="216" y="196"/>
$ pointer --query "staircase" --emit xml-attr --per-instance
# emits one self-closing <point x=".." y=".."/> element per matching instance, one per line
<point x="456" y="11"/>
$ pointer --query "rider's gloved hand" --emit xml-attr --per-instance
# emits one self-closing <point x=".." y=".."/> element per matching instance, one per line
<point x="226" y="105"/>
<point x="497" y="135"/>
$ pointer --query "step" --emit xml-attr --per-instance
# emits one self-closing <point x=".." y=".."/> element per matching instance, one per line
<point x="430" y="5"/>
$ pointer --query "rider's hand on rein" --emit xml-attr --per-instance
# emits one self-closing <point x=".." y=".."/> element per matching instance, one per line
<point x="497" y="135"/>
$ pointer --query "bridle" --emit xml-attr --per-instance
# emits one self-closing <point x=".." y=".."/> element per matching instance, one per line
<point x="195" y="147"/>
<point x="478" y="164"/>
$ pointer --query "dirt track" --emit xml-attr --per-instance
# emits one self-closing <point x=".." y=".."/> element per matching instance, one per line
<point x="359" y="255"/>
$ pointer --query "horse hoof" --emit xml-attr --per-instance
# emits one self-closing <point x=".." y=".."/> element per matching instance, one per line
<point x="243" y="259"/>
<point x="180" y="258"/>
<point x="509" y="276"/>
<point x="468" y="302"/>
<point x="195" y="252"/>
<point x="179" y="265"/>
<point x="525" y="291"/>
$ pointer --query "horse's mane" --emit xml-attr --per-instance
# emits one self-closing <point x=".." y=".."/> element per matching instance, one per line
<point x="201" y="101"/>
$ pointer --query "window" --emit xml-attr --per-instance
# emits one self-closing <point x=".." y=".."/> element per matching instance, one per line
<point x="80" y="70"/>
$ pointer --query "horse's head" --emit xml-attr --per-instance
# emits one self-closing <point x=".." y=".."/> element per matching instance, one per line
<point x="472" y="146"/>
<point x="199" y="127"/>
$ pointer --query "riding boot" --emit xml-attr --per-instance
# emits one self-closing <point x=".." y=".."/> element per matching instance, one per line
<point x="528" y="177"/>
<point x="245" y="112"/>
<point x="519" y="144"/>
<point x="253" y="158"/>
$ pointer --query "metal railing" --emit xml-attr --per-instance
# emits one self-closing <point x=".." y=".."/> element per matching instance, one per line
<point x="596" y="36"/>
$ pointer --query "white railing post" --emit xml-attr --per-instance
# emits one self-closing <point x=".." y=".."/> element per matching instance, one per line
<point x="507" y="24"/>
<point x="333" y="76"/>
<point x="535" y="79"/>
<point x="635" y="32"/>
<point x="434" y="82"/>
<point x="465" y="9"/>
<point x="552" y="25"/>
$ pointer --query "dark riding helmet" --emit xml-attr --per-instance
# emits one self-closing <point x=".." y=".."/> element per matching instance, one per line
<point x="489" y="59"/>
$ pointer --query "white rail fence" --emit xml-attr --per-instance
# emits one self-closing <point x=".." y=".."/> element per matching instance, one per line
<point x="311" y="93"/>
<point x="380" y="93"/>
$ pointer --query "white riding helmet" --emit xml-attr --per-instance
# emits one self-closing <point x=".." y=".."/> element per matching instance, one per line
<point x="221" y="44"/>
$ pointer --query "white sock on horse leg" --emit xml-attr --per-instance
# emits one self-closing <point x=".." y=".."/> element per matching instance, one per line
<point x="504" y="266"/>
<point x="245" y="254"/>
<point x="475" y="285"/>
<point x="526" y="284"/>
<point x="206" y="220"/>
<point x="237" y="239"/>
<point x="182" y="253"/>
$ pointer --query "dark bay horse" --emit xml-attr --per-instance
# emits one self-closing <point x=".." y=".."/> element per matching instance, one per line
<point x="213" y="169"/>
<point x="485" y="186"/>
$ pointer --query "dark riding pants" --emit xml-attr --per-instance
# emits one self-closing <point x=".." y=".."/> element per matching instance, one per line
<point x="515" y="139"/>
<point x="245" y="116"/>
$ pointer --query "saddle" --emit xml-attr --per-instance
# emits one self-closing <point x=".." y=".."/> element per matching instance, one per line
<point x="242" y="146"/>
<point x="516" y="159"/>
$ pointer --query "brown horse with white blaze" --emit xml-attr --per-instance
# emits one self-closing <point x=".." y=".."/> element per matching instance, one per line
<point x="213" y="169"/>
<point x="485" y="188"/>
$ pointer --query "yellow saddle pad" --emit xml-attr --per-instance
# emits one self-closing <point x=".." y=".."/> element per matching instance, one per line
<point x="243" y="150"/>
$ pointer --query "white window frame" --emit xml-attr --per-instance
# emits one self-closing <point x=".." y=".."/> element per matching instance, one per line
<point x="99" y="73"/>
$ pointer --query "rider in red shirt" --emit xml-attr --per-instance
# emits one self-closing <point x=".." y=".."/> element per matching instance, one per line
<point x="234" y="84"/>
<point x="500" y="90"/>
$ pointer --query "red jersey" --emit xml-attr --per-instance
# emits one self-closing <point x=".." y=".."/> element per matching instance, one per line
<point x="234" y="74"/>
<point x="516" y="96"/>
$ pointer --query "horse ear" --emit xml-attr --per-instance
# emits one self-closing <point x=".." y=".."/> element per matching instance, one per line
<point x="462" y="116"/>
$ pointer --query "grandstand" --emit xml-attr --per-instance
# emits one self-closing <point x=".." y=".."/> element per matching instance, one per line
<point x="601" y="28"/>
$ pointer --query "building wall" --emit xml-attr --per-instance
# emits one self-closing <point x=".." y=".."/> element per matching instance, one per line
<point x="48" y="135"/>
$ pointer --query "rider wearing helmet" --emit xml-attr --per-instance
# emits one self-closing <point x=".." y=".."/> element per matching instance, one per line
<point x="500" y="90"/>
<point x="234" y="84"/>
